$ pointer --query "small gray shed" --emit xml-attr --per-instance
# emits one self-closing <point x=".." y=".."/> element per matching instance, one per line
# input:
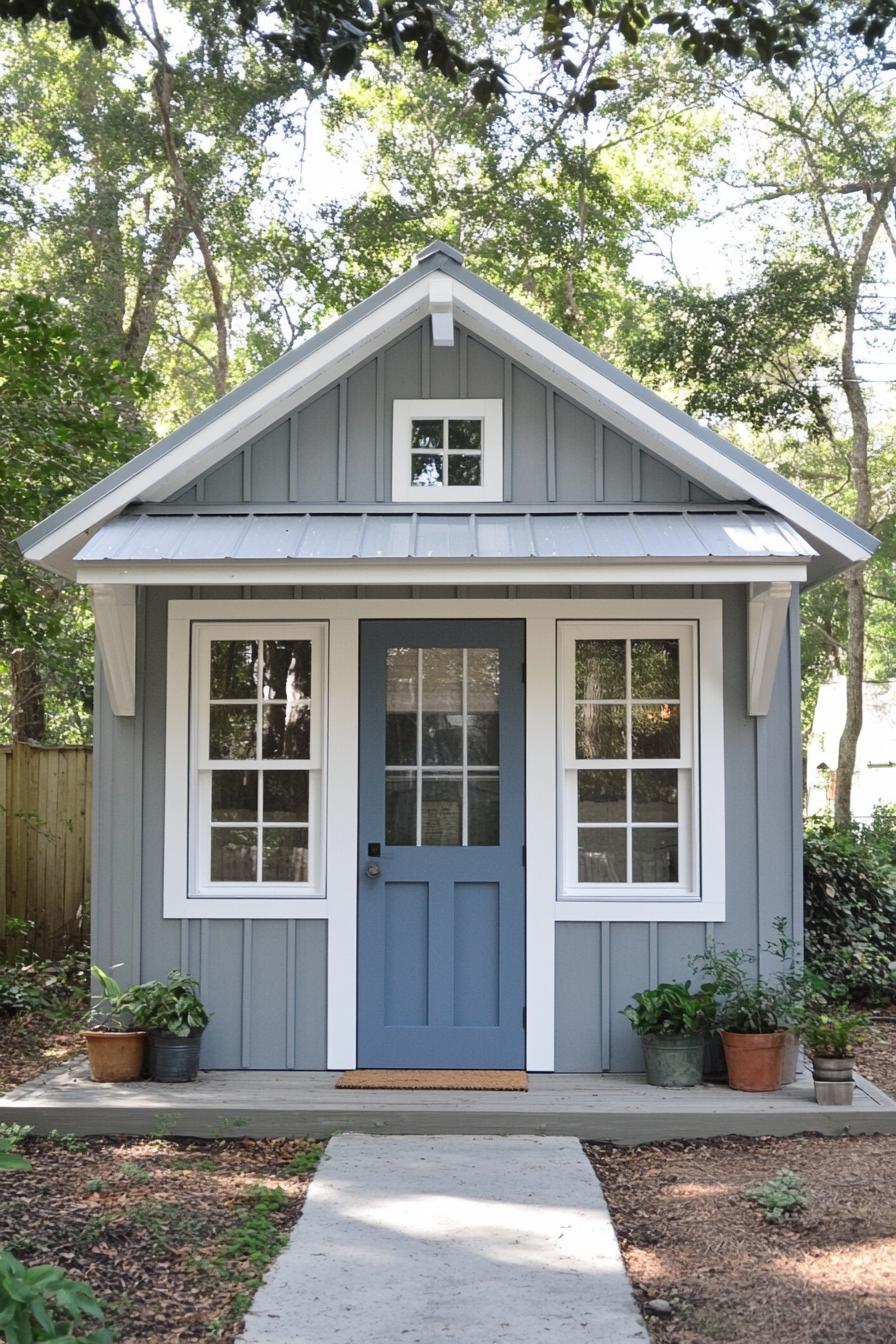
<point x="448" y="693"/>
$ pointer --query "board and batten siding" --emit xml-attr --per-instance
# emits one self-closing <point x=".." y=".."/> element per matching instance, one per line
<point x="265" y="980"/>
<point x="337" y="448"/>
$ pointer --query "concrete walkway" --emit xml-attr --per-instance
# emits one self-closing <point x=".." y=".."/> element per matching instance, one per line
<point x="467" y="1240"/>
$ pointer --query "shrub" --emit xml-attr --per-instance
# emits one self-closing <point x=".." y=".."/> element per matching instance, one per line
<point x="44" y="1304"/>
<point x="30" y="984"/>
<point x="850" y="897"/>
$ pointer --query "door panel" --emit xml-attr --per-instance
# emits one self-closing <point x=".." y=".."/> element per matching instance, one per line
<point x="441" y="885"/>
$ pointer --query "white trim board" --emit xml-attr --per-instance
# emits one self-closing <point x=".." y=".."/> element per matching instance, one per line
<point x="339" y="907"/>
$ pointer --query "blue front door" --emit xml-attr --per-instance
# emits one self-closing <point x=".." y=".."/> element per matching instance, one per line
<point x="441" y="909"/>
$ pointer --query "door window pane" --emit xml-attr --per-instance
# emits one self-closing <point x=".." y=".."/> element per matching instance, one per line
<point x="401" y="706"/>
<point x="483" y="801"/>
<point x="401" y="807"/>
<point x="602" y="854"/>
<point x="655" y="854"/>
<point x="443" y="704"/>
<point x="602" y="795"/>
<point x="442" y="809"/>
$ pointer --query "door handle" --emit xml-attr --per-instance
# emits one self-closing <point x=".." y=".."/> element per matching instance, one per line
<point x="373" y="870"/>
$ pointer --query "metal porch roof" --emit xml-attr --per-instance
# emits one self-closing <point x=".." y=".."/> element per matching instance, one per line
<point x="373" y="536"/>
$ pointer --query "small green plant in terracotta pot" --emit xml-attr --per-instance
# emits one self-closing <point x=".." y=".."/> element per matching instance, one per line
<point x="751" y="1016"/>
<point x="115" y="1043"/>
<point x="672" y="1021"/>
<point x="833" y="1033"/>
<point x="174" y="1017"/>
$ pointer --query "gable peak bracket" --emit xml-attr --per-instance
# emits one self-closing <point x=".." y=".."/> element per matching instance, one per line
<point x="441" y="309"/>
<point x="115" y="613"/>
<point x="767" y="607"/>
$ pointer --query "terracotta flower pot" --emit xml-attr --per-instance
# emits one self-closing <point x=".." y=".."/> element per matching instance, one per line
<point x="115" y="1056"/>
<point x="754" y="1060"/>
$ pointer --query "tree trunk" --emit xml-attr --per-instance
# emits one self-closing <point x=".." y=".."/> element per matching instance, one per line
<point x="29" y="722"/>
<point x="855" y="680"/>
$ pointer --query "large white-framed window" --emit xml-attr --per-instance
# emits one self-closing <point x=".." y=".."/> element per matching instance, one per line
<point x="640" y="753"/>
<point x="447" y="449"/>
<point x="250" y="743"/>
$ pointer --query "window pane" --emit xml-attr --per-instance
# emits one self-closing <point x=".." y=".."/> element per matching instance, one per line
<point x="602" y="854"/>
<point x="401" y="707"/>
<point x="655" y="732"/>
<point x="233" y="854"/>
<point x="231" y="732"/>
<point x="442" y="809"/>
<point x="655" y="854"/>
<point x="600" y="732"/>
<point x="234" y="668"/>
<point x="426" y="436"/>
<point x="286" y="732"/>
<point x="287" y="670"/>
<point x="284" y="854"/>
<point x="483" y="692"/>
<point x="600" y="669"/>
<point x="234" y="795"/>
<point x="654" y="795"/>
<point x="426" y="470"/>
<point x="465" y="469"/>
<point x="285" y="795"/>
<point x="602" y="795"/>
<point x="483" y="821"/>
<point x="443" y="702"/>
<point x="401" y="807"/>
<point x="655" y="669"/>
<point x="465" y="436"/>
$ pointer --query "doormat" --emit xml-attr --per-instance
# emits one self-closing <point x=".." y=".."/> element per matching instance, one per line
<point x="443" y="1080"/>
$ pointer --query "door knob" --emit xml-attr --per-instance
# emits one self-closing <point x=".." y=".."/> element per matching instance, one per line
<point x="373" y="870"/>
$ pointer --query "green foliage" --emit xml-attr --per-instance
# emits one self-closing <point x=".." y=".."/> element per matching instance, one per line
<point x="93" y="20"/>
<point x="110" y="1011"/>
<point x="749" y="1002"/>
<point x="171" y="1005"/>
<point x="256" y="1238"/>
<point x="836" y="1031"/>
<point x="782" y="1197"/>
<point x="305" y="1160"/>
<point x="31" y="984"/>
<point x="43" y="1304"/>
<point x="135" y="1171"/>
<point x="11" y="1138"/>
<point x="672" y="1009"/>
<point x="849" y="885"/>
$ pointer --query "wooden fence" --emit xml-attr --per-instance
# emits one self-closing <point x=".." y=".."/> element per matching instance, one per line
<point x="45" y="795"/>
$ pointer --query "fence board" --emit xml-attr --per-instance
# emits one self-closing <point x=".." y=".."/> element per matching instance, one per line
<point x="45" y="800"/>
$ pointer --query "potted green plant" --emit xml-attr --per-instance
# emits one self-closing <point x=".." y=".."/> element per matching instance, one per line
<point x="833" y="1032"/>
<point x="174" y="1018"/>
<point x="115" y="1043"/>
<point x="751" y="1013"/>
<point x="798" y="986"/>
<point x="672" y="1021"/>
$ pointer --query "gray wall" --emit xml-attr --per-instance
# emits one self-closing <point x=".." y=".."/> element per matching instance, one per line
<point x="600" y="966"/>
<point x="338" y="447"/>
<point x="265" y="980"/>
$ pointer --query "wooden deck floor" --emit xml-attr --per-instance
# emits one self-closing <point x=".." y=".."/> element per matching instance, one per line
<point x="617" y="1107"/>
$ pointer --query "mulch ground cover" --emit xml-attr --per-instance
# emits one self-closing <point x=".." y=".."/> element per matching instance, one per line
<point x="172" y="1235"/>
<point x="31" y="1043"/>
<point x="691" y="1239"/>
<point x="877" y="1059"/>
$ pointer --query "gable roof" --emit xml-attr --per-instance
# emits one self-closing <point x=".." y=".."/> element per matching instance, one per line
<point x="214" y="433"/>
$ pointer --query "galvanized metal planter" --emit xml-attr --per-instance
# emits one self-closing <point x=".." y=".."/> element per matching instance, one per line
<point x="174" y="1059"/>
<point x="833" y="1080"/>
<point x="673" y="1061"/>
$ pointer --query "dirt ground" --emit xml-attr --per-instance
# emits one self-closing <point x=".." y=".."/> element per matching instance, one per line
<point x="172" y="1235"/>
<point x="877" y="1059"/>
<point x="32" y="1043"/>
<point x="690" y="1237"/>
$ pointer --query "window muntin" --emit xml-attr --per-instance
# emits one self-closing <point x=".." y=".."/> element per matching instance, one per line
<point x="257" y="711"/>
<point x="628" y="759"/>
<point x="447" y="449"/>
<point x="442" y="755"/>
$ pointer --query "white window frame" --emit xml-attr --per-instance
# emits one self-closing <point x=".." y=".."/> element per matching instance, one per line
<point x="188" y="888"/>
<point x="701" y="815"/>
<point x="487" y="409"/>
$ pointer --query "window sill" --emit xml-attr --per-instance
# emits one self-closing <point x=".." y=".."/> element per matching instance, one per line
<point x="243" y="906"/>
<point x="588" y="908"/>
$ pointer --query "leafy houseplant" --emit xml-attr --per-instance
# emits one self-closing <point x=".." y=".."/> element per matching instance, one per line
<point x="798" y="985"/>
<point x="751" y="1016"/>
<point x="672" y="1021"/>
<point x="42" y="1304"/>
<point x="833" y="1032"/>
<point x="175" y="1018"/>
<point x="115" y="1043"/>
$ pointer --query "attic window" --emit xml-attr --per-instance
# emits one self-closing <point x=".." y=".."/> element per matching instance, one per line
<point x="450" y="449"/>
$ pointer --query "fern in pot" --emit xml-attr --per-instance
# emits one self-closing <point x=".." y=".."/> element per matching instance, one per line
<point x="174" y="1017"/>
<point x="672" y="1021"/>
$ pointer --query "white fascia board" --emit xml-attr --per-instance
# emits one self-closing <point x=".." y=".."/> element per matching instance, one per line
<point x="630" y="415"/>
<point x="115" y="614"/>
<point x="767" y="608"/>
<point x="448" y="571"/>
<point x="215" y="440"/>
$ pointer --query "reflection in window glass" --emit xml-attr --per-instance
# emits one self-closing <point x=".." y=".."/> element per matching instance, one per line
<point x="284" y="854"/>
<point x="234" y="795"/>
<point x="234" y="669"/>
<point x="234" y="854"/>
<point x="655" y="854"/>
<point x="231" y="732"/>
<point x="602" y="795"/>
<point x="602" y="854"/>
<point x="446" y="452"/>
